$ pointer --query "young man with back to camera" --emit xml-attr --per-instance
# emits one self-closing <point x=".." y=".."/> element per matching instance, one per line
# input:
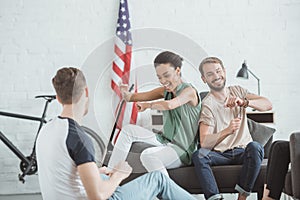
<point x="65" y="155"/>
<point x="224" y="134"/>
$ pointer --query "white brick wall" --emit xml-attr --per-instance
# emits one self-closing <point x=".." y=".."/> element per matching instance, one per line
<point x="37" y="37"/>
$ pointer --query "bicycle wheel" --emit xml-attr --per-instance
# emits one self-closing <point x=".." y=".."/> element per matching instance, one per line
<point x="99" y="145"/>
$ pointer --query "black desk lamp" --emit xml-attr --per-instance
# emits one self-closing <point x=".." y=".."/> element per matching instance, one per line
<point x="243" y="73"/>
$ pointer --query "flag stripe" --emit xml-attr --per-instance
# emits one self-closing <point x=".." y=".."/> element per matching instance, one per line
<point x="127" y="65"/>
<point x="120" y="54"/>
<point x="117" y="69"/>
<point x="120" y="63"/>
<point x="120" y="44"/>
<point x="116" y="88"/>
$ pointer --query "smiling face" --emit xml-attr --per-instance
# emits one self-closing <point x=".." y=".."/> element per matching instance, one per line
<point x="168" y="76"/>
<point x="214" y="75"/>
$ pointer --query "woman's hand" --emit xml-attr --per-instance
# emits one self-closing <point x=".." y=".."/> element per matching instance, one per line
<point x="124" y="91"/>
<point x="143" y="106"/>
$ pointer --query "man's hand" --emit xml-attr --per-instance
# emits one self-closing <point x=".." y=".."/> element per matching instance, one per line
<point x="124" y="91"/>
<point x="122" y="170"/>
<point x="104" y="170"/>
<point x="234" y="125"/>
<point x="233" y="101"/>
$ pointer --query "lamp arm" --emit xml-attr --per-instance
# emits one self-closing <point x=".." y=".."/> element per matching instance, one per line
<point x="258" y="80"/>
<point x="252" y="74"/>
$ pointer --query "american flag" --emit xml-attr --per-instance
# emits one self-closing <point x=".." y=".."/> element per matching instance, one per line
<point x="121" y="66"/>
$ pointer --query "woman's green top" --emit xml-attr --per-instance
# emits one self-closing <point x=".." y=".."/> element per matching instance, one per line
<point x="181" y="126"/>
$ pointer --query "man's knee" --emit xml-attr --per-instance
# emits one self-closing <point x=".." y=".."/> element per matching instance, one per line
<point x="255" y="148"/>
<point x="157" y="176"/>
<point x="128" y="128"/>
<point x="146" y="156"/>
<point x="199" y="157"/>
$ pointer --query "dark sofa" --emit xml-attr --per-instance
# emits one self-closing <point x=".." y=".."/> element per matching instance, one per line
<point x="226" y="176"/>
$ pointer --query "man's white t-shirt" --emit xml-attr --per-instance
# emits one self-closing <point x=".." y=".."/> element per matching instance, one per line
<point x="214" y="114"/>
<point x="61" y="146"/>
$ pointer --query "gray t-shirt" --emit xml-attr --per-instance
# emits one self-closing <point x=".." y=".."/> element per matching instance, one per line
<point x="216" y="115"/>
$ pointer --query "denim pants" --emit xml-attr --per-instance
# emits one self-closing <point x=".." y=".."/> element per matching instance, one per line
<point x="250" y="158"/>
<point x="149" y="186"/>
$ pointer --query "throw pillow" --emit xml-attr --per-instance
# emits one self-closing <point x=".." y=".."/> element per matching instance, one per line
<point x="260" y="133"/>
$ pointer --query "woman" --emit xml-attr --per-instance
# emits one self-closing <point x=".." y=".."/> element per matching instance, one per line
<point x="181" y="109"/>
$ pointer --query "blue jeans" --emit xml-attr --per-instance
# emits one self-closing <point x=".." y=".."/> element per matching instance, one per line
<point x="149" y="186"/>
<point x="250" y="158"/>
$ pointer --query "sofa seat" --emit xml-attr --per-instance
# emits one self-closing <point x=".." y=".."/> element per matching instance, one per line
<point x="226" y="175"/>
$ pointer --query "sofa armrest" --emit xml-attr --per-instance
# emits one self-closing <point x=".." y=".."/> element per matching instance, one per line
<point x="295" y="163"/>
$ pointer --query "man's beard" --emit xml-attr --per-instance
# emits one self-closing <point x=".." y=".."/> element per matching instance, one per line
<point x="218" y="89"/>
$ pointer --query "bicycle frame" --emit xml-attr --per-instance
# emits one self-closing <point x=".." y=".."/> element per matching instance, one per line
<point x="28" y="164"/>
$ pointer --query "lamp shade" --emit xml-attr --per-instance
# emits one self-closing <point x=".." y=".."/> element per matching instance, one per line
<point x="243" y="72"/>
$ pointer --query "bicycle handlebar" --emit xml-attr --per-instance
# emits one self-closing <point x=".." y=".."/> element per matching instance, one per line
<point x="47" y="97"/>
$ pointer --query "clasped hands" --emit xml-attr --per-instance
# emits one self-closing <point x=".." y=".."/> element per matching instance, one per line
<point x="233" y="101"/>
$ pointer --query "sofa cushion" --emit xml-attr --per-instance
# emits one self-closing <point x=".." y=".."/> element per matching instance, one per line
<point x="260" y="133"/>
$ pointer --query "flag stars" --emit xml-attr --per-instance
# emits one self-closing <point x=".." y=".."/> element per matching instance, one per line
<point x="123" y="24"/>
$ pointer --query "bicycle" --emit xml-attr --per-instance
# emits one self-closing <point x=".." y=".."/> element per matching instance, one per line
<point x="28" y="164"/>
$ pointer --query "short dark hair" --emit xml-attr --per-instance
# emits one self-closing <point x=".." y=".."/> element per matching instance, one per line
<point x="168" y="57"/>
<point x="210" y="60"/>
<point x="69" y="83"/>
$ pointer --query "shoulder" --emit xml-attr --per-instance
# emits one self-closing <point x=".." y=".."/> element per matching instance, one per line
<point x="187" y="88"/>
<point x="238" y="90"/>
<point x="235" y="87"/>
<point x="79" y="145"/>
<point x="76" y="133"/>
<point x="208" y="104"/>
<point x="208" y="99"/>
<point x="55" y="126"/>
<point x="187" y="85"/>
